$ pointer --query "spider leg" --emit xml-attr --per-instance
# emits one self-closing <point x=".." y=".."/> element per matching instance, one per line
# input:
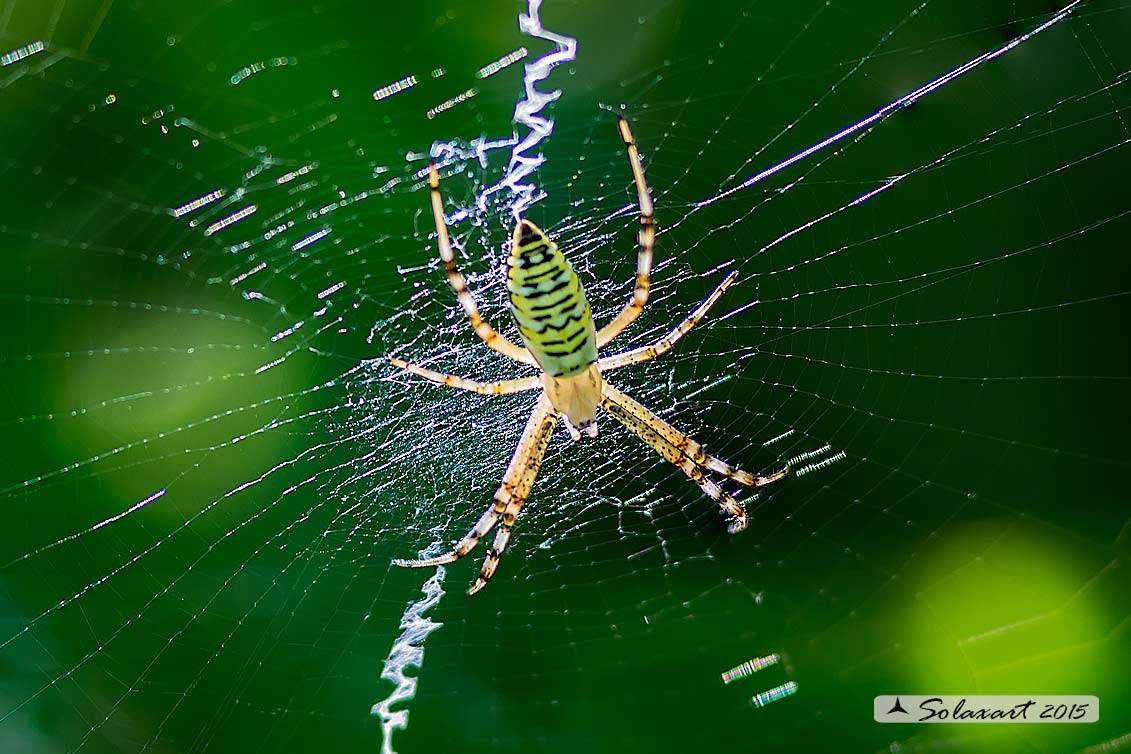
<point x="684" y="452"/>
<point x="502" y="387"/>
<point x="514" y="489"/>
<point x="486" y="333"/>
<point x="664" y="344"/>
<point x="737" y="474"/>
<point x="646" y="240"/>
<point x="502" y="537"/>
<point x="693" y="449"/>
<point x="539" y="438"/>
<point x="510" y="513"/>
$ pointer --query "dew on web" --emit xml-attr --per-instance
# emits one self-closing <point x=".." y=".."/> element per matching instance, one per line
<point x="216" y="231"/>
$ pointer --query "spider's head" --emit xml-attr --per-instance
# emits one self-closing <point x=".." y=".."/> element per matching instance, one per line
<point x="577" y="397"/>
<point x="588" y="427"/>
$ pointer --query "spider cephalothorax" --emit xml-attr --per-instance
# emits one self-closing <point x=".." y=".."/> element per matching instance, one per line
<point x="560" y="339"/>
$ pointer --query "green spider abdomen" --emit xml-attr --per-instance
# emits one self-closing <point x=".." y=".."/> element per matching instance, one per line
<point x="549" y="305"/>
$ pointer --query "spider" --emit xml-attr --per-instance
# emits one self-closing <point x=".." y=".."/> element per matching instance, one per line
<point x="554" y="322"/>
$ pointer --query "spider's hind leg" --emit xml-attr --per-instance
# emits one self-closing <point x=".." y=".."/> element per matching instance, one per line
<point x="646" y="239"/>
<point x="458" y="282"/>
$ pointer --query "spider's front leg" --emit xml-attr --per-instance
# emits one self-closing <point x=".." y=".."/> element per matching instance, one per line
<point x="517" y="482"/>
<point x="684" y="452"/>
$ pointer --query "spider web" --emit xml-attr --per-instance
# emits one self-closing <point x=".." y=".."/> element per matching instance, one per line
<point x="214" y="232"/>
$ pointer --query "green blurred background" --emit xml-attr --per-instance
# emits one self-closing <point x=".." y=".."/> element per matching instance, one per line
<point x="959" y="336"/>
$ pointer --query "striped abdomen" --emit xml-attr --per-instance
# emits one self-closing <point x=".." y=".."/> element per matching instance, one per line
<point x="548" y="304"/>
